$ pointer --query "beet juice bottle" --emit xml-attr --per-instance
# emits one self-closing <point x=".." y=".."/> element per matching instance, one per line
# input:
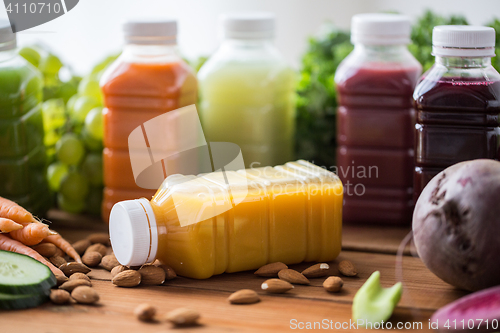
<point x="457" y="102"/>
<point x="375" y="120"/>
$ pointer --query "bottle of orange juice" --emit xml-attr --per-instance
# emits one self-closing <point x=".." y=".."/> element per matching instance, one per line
<point x="147" y="80"/>
<point x="233" y="221"/>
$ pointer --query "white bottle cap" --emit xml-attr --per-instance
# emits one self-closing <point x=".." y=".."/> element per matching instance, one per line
<point x="463" y="41"/>
<point x="133" y="232"/>
<point x="380" y="29"/>
<point x="150" y="31"/>
<point x="7" y="37"/>
<point x="256" y="25"/>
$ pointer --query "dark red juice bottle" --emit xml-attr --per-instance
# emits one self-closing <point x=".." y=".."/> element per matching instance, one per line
<point x="457" y="103"/>
<point x="375" y="121"/>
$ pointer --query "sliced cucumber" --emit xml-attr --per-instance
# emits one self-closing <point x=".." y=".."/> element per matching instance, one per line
<point x="14" y="302"/>
<point x="23" y="275"/>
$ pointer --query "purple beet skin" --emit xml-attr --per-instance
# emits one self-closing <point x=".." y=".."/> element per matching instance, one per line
<point x="477" y="312"/>
<point x="456" y="225"/>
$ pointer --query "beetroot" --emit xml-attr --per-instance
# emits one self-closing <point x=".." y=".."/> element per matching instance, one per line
<point x="456" y="225"/>
<point x="479" y="312"/>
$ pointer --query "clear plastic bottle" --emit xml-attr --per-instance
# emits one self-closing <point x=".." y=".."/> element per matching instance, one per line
<point x="22" y="154"/>
<point x="375" y="120"/>
<point x="457" y="102"/>
<point x="147" y="80"/>
<point x="247" y="92"/>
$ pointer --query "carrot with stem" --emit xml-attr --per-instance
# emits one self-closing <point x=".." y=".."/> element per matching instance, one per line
<point x="11" y="210"/>
<point x="9" y="244"/>
<point x="31" y="233"/>
<point x="63" y="244"/>
<point x="7" y="225"/>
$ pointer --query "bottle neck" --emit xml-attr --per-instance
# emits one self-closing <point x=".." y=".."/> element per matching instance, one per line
<point x="464" y="62"/>
<point x="7" y="54"/>
<point x="248" y="43"/>
<point x="150" y="52"/>
<point x="380" y="49"/>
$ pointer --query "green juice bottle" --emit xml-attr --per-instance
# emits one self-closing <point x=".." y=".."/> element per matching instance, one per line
<point x="22" y="152"/>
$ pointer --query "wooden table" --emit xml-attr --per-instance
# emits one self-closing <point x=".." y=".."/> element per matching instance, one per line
<point x="369" y="248"/>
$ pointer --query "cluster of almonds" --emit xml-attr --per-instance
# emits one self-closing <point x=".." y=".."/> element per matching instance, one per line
<point x="286" y="278"/>
<point x="77" y="287"/>
<point x="179" y="317"/>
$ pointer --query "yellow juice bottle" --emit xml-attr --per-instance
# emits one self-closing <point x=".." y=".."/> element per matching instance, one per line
<point x="233" y="221"/>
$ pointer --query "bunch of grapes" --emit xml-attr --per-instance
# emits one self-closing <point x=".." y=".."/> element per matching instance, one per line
<point x="73" y="124"/>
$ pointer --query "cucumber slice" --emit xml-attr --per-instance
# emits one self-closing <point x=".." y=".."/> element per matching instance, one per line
<point x="20" y="274"/>
<point x="14" y="302"/>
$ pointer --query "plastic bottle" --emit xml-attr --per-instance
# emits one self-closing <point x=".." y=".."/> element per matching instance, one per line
<point x="22" y="157"/>
<point x="240" y="220"/>
<point x="148" y="79"/>
<point x="457" y="102"/>
<point x="375" y="120"/>
<point x="247" y="92"/>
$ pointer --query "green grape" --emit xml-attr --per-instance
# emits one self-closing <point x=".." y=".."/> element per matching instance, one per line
<point x="93" y="123"/>
<point x="94" y="201"/>
<point x="51" y="138"/>
<point x="70" y="149"/>
<point x="55" y="173"/>
<point x="89" y="86"/>
<point x="70" y="104"/>
<point x="70" y="206"/>
<point x="74" y="186"/>
<point x="31" y="54"/>
<point x="91" y="143"/>
<point x="50" y="64"/>
<point x="92" y="168"/>
<point x="53" y="112"/>
<point x="82" y="107"/>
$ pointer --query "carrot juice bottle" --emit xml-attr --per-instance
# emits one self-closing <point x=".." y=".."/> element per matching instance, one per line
<point x="147" y="80"/>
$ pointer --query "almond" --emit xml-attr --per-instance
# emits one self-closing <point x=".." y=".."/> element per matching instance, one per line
<point x="244" y="296"/>
<point x="92" y="258"/>
<point x="79" y="276"/>
<point x="318" y="270"/>
<point x="152" y="275"/>
<point x="72" y="284"/>
<point x="145" y="312"/>
<point x="81" y="246"/>
<point x="169" y="271"/>
<point x="333" y="284"/>
<point x="276" y="286"/>
<point x="128" y="278"/>
<point x="118" y="269"/>
<point x="45" y="249"/>
<point x="100" y="237"/>
<point x="85" y="295"/>
<point x="74" y="267"/>
<point x="183" y="316"/>
<point x="271" y="270"/>
<point x="61" y="279"/>
<point x="59" y="296"/>
<point x="97" y="247"/>
<point x="292" y="276"/>
<point x="109" y="262"/>
<point x="347" y="268"/>
<point x="60" y="253"/>
<point x="57" y="261"/>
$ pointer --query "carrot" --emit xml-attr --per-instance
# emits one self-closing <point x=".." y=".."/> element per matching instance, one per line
<point x="9" y="244"/>
<point x="61" y="243"/>
<point x="31" y="233"/>
<point x="11" y="210"/>
<point x="7" y="225"/>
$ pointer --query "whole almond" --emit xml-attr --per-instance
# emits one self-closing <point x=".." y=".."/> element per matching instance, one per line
<point x="85" y="295"/>
<point x="276" y="286"/>
<point x="97" y="247"/>
<point x="92" y="258"/>
<point x="318" y="270"/>
<point x="81" y="246"/>
<point x="244" y="296"/>
<point x="183" y="316"/>
<point x="118" y="269"/>
<point x="100" y="237"/>
<point x="72" y="284"/>
<point x="128" y="278"/>
<point x="271" y="270"/>
<point x="292" y="276"/>
<point x="169" y="271"/>
<point x="109" y="262"/>
<point x="79" y="276"/>
<point x="347" y="268"/>
<point x="145" y="312"/>
<point x="74" y="267"/>
<point x="59" y="296"/>
<point x="152" y="275"/>
<point x="45" y="249"/>
<point x="60" y="253"/>
<point x="333" y="284"/>
<point x="57" y="261"/>
<point x="61" y="279"/>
